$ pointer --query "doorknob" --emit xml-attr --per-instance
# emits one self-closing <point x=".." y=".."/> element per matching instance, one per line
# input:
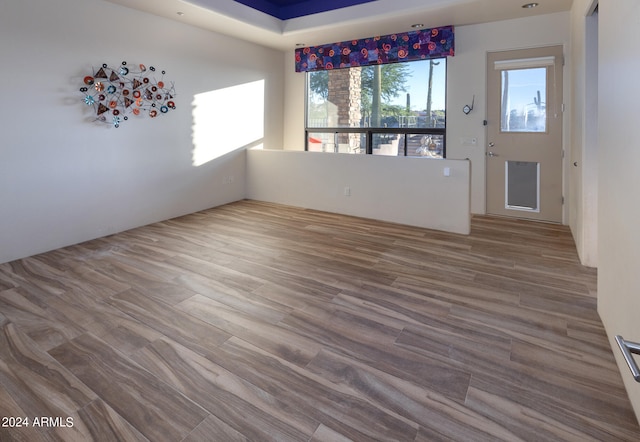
<point x="491" y="144"/>
<point x="491" y="154"/>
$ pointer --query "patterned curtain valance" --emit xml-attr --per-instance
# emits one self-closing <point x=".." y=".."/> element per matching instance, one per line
<point x="407" y="46"/>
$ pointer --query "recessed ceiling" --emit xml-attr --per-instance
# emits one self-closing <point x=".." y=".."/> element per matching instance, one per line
<point x="345" y="20"/>
<point x="288" y="9"/>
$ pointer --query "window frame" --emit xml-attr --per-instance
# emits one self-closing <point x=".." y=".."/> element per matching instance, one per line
<point x="370" y="131"/>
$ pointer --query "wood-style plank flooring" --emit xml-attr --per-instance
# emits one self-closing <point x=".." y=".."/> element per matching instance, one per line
<point x="254" y="321"/>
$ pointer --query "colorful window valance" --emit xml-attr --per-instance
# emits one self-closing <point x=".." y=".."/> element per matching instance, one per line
<point x="407" y="46"/>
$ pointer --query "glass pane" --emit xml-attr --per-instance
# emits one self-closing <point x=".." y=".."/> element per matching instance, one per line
<point x="388" y="144"/>
<point x="410" y="94"/>
<point x="522" y="185"/>
<point x="418" y="145"/>
<point x="337" y="143"/>
<point x="524" y="95"/>
<point x="421" y="145"/>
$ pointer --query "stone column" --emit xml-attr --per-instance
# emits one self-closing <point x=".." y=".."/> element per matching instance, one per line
<point x="344" y="99"/>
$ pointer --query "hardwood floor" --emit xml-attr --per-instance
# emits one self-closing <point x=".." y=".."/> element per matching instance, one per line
<point x="255" y="321"/>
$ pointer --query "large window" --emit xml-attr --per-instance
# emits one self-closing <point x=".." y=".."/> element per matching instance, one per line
<point x="390" y="109"/>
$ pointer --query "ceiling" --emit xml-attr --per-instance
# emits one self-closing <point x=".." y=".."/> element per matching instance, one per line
<point x="287" y="9"/>
<point x="340" y="23"/>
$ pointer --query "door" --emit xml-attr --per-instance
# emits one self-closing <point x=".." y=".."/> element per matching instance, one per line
<point x="524" y="133"/>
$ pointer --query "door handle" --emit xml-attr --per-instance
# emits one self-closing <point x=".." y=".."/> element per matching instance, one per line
<point x="491" y="144"/>
<point x="491" y="154"/>
<point x="627" y="348"/>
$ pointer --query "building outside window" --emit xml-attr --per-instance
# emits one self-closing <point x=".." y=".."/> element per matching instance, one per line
<point x="395" y="109"/>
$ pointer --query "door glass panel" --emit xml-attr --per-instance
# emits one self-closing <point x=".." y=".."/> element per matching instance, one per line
<point x="522" y="185"/>
<point x="524" y="100"/>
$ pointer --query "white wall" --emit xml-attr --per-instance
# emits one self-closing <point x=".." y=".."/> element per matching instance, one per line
<point x="294" y="104"/>
<point x="619" y="177"/>
<point x="64" y="179"/>
<point x="583" y="159"/>
<point x="392" y="189"/>
<point x="466" y="76"/>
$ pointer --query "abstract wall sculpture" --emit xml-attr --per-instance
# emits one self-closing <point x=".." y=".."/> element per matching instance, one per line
<point x="115" y="94"/>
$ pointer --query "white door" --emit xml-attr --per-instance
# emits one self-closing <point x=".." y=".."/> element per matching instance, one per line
<point x="524" y="133"/>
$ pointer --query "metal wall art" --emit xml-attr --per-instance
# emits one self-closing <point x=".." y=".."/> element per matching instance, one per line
<point x="115" y="94"/>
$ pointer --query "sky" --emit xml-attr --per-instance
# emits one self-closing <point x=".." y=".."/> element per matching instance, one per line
<point x="417" y="86"/>
<point x="524" y="84"/>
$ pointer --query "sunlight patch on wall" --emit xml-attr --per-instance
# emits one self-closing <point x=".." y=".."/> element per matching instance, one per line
<point x="227" y="119"/>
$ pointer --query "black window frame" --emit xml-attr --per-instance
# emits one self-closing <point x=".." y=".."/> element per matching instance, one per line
<point x="370" y="131"/>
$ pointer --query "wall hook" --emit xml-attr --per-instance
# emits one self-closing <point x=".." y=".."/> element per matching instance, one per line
<point x="466" y="109"/>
